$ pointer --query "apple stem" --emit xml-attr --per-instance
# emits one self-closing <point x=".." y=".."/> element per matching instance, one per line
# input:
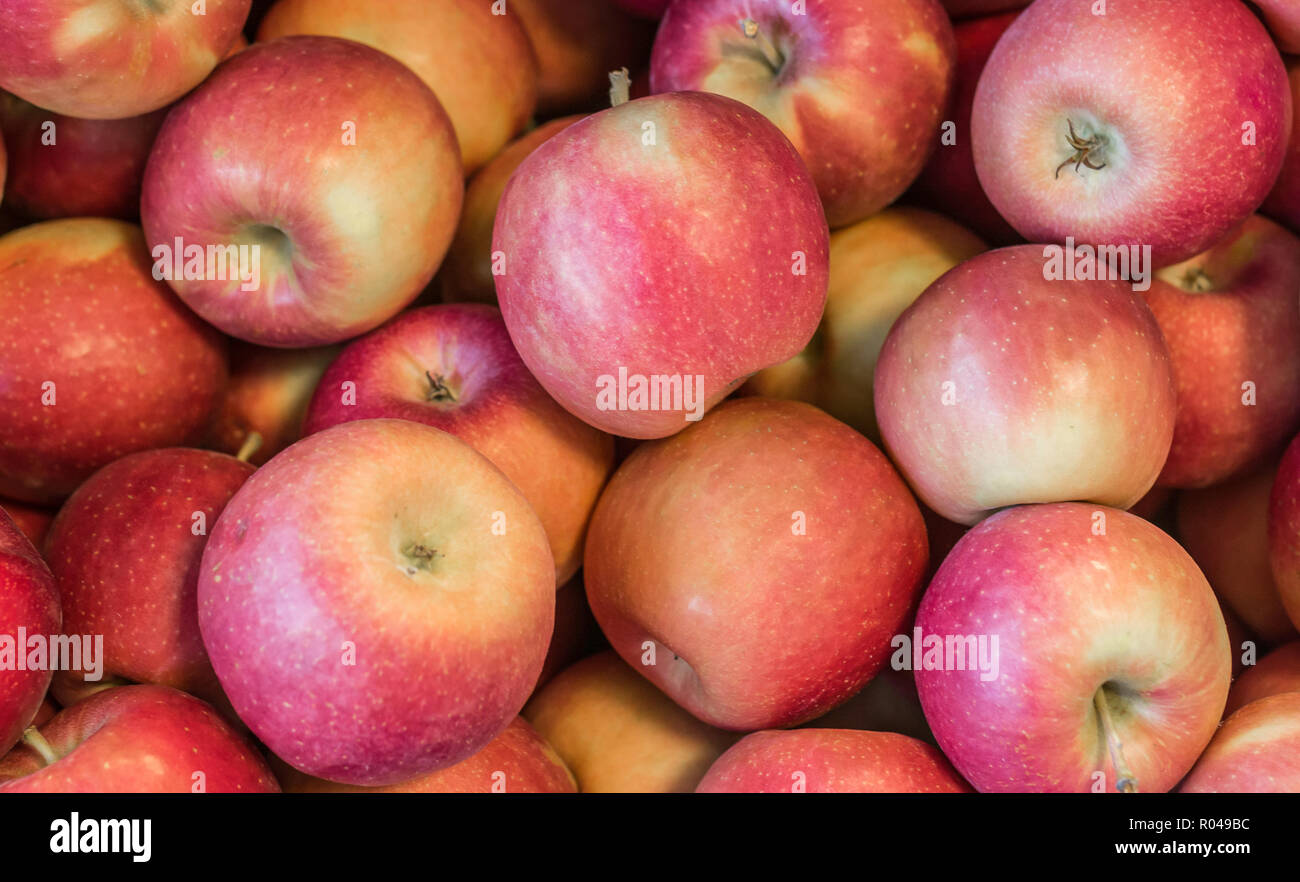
<point x="1126" y="782"/>
<point x="250" y="446"/>
<point x="1198" y="280"/>
<point x="620" y="87"/>
<point x="438" y="388"/>
<point x="36" y="741"/>
<point x="1083" y="151"/>
<point x="765" y="46"/>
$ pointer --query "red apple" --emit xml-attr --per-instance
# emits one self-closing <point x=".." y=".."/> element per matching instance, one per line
<point x="516" y="761"/>
<point x="619" y="734"/>
<point x="343" y="173"/>
<point x="453" y="367"/>
<point x="479" y="64"/>
<point x="1274" y="674"/>
<point x="1225" y="529"/>
<point x="1283" y="202"/>
<point x="1103" y="624"/>
<point x="125" y="551"/>
<point x="32" y="521"/>
<point x="466" y="274"/>
<point x="29" y="600"/>
<point x="948" y="183"/>
<point x="136" y="739"/>
<point x="389" y="567"/>
<point x="1283" y="20"/>
<point x="831" y="761"/>
<point x="101" y="60"/>
<point x="1082" y="122"/>
<point x="858" y="88"/>
<point x="1000" y="387"/>
<point x="661" y="298"/>
<point x="756" y="565"/>
<point x="1284" y="531"/>
<point x="61" y="166"/>
<point x="1256" y="751"/>
<point x="98" y="359"/>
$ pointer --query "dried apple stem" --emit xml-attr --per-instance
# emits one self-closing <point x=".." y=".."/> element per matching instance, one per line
<point x="1126" y="782"/>
<point x="36" y="741"/>
<point x="764" y="44"/>
<point x="249" y="447"/>
<point x="620" y="87"/>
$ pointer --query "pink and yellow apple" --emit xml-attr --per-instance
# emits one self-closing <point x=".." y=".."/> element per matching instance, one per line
<point x="1256" y="751"/>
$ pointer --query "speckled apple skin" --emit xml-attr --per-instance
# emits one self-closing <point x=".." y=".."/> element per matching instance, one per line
<point x="126" y="559"/>
<point x="132" y="368"/>
<point x="28" y="599"/>
<point x="1073" y="611"/>
<point x="694" y="547"/>
<point x="1156" y="77"/>
<point x="998" y="387"/>
<point x="308" y="562"/>
<point x="516" y="761"/>
<point x="861" y="93"/>
<point x="559" y="462"/>
<point x="1284" y="531"/>
<point x="366" y="223"/>
<point x="1256" y="751"/>
<point x="101" y="60"/>
<point x="139" y="739"/>
<point x="675" y="258"/>
<point x="831" y="761"/>
<point x="1274" y="674"/>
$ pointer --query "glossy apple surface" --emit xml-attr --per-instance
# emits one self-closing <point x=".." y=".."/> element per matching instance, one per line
<point x="29" y="599"/>
<point x="1274" y="674"/>
<point x="1256" y="751"/>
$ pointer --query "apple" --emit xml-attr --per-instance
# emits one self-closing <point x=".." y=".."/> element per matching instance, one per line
<point x="32" y="521"/>
<point x="755" y="566"/>
<point x="61" y="166"/>
<point x="1082" y="121"/>
<point x="387" y="565"/>
<point x="136" y="739"/>
<point x="1111" y="662"/>
<point x="577" y="45"/>
<point x="619" y="734"/>
<point x="969" y="8"/>
<point x="1283" y="20"/>
<point x="99" y="60"/>
<point x="98" y="358"/>
<point x="1284" y="532"/>
<point x="267" y="397"/>
<point x="516" y="761"/>
<point x="29" y="600"/>
<point x="340" y="246"/>
<point x="1256" y="751"/>
<point x="1283" y="203"/>
<point x="878" y="268"/>
<point x="1274" y="674"/>
<point x="948" y="183"/>
<point x="639" y="283"/>
<point x="651" y="9"/>
<point x="1225" y="529"/>
<point x="999" y="387"/>
<point x="479" y="64"/>
<point x="858" y="88"/>
<point x="125" y="551"/>
<point x="453" y="367"/>
<point x="466" y="274"/>
<point x="831" y="761"/>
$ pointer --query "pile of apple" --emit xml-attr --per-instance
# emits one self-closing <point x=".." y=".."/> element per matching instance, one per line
<point x="649" y="395"/>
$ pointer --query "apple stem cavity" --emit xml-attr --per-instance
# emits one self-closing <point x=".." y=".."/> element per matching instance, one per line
<point x="1126" y="782"/>
<point x="438" y="388"/>
<point x="36" y="741"/>
<point x="620" y="87"/>
<point x="1197" y="280"/>
<point x="250" y="446"/>
<point x="766" y="48"/>
<point x="1084" y="148"/>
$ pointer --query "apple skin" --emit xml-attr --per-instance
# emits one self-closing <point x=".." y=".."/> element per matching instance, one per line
<point x="1124" y="76"/>
<point x="652" y="294"/>
<point x="126" y="559"/>
<point x="93" y="168"/>
<point x="343" y="248"/>
<point x="138" y="739"/>
<point x="619" y="734"/>
<point x="496" y="406"/>
<point x="1225" y="530"/>
<point x="518" y="759"/>
<point x="479" y="64"/>
<point x="1274" y="674"/>
<point x="948" y="183"/>
<point x="401" y="578"/>
<point x="693" y="547"/>
<point x="1284" y="531"/>
<point x="132" y="368"/>
<point x="1283" y="20"/>
<point x="878" y="268"/>
<point x="466" y="274"/>
<point x="577" y="45"/>
<point x="32" y="521"/>
<point x="99" y="60"/>
<point x="1082" y="362"/>
<point x="1074" y="612"/>
<point x="1256" y="751"/>
<point x="831" y="761"/>
<point x="861" y="89"/>
<point x="1283" y="203"/>
<point x="29" y="599"/>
